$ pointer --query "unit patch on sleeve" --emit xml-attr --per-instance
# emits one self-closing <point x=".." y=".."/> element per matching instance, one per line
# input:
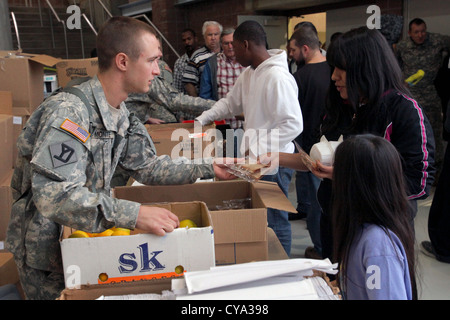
<point x="63" y="153"/>
<point x="75" y="129"/>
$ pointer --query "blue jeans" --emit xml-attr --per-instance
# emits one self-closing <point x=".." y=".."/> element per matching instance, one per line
<point x="279" y="220"/>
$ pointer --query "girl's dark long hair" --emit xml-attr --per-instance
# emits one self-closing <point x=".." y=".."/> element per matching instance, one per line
<point x="372" y="70"/>
<point x="369" y="187"/>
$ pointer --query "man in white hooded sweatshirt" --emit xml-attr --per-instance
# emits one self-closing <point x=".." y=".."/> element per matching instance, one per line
<point x="267" y="95"/>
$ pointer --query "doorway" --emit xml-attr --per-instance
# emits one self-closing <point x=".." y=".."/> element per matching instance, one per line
<point x="319" y="20"/>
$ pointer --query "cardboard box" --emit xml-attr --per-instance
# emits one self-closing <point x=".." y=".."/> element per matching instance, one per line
<point x="8" y="269"/>
<point x="92" y="292"/>
<point x="5" y="205"/>
<point x="19" y="121"/>
<point x="22" y="74"/>
<point x="142" y="256"/>
<point x="6" y="144"/>
<point x="5" y="102"/>
<point x="69" y="69"/>
<point x="240" y="235"/>
<point x="183" y="140"/>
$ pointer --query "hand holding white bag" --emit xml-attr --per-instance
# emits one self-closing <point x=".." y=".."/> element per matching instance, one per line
<point x="324" y="150"/>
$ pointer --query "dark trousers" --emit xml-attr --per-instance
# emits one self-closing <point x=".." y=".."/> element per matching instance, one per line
<point x="439" y="217"/>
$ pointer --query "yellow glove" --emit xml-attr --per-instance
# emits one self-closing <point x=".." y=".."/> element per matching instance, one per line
<point x="415" y="78"/>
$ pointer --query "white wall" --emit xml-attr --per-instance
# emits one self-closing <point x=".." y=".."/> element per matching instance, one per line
<point x="342" y="20"/>
<point x="274" y="26"/>
<point x="436" y="14"/>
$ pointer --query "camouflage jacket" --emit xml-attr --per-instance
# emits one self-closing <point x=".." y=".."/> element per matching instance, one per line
<point x="427" y="56"/>
<point x="62" y="176"/>
<point x="164" y="102"/>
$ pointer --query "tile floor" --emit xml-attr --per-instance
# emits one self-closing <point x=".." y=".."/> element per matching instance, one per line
<point x="433" y="276"/>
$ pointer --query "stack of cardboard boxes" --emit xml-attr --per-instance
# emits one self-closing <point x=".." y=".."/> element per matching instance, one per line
<point x="22" y="89"/>
<point x="8" y="269"/>
<point x="21" y="82"/>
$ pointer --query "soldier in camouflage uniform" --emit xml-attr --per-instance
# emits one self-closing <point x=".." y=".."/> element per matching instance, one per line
<point x="165" y="103"/>
<point x="424" y="50"/>
<point x="63" y="173"/>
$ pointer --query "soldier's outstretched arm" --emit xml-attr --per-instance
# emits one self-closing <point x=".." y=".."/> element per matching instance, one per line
<point x="167" y="96"/>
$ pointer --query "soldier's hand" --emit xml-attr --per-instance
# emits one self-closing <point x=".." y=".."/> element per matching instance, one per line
<point x="156" y="220"/>
<point x="221" y="170"/>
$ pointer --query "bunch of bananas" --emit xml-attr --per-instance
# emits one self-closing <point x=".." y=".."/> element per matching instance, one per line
<point x="114" y="231"/>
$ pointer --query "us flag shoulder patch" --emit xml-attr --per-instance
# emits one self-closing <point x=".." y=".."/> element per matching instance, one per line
<point x="75" y="129"/>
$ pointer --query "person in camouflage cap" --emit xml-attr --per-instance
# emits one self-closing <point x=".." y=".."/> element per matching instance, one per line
<point x="163" y="103"/>
<point x="68" y="153"/>
<point x="423" y="50"/>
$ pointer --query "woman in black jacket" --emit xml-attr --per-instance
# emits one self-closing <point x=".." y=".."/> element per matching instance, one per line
<point x="368" y="95"/>
<point x="373" y="98"/>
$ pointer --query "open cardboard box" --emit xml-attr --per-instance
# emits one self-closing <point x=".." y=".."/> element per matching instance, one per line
<point x="141" y="256"/>
<point x="69" y="69"/>
<point x="240" y="235"/>
<point x="23" y="75"/>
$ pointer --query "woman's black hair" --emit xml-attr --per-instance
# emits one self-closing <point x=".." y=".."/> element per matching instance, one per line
<point x="369" y="187"/>
<point x="372" y="70"/>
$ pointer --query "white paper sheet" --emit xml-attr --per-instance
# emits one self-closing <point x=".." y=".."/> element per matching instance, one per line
<point x="293" y="290"/>
<point x="276" y="288"/>
<point x="218" y="277"/>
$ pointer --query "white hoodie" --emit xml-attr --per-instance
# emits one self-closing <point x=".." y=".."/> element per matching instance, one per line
<point x="268" y="98"/>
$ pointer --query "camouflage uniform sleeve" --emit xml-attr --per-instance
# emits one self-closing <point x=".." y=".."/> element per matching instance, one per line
<point x="144" y="166"/>
<point x="62" y="192"/>
<point x="446" y="42"/>
<point x="167" y="96"/>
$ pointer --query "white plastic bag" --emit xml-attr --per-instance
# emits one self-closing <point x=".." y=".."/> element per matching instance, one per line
<point x="324" y="150"/>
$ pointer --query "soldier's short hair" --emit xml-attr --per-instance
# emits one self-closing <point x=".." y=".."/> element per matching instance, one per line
<point x="120" y="35"/>
<point x="416" y="21"/>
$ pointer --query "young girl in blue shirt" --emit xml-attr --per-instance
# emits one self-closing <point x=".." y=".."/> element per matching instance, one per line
<point x="373" y="236"/>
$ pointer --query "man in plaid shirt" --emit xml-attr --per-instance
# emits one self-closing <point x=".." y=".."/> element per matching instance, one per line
<point x="220" y="73"/>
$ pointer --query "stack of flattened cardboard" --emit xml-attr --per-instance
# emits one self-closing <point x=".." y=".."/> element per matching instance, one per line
<point x="291" y="279"/>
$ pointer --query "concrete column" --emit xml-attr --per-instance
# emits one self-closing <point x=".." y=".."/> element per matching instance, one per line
<point x="5" y="28"/>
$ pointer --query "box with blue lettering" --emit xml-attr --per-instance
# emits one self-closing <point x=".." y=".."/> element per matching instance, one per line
<point x="141" y="256"/>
